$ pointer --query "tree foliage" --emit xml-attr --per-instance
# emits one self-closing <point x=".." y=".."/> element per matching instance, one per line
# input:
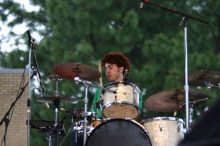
<point x="83" y="31"/>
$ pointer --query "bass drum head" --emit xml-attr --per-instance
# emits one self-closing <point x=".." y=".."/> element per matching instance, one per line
<point x="119" y="132"/>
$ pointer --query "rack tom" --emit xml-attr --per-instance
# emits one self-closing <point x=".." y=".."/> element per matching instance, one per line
<point x="165" y="131"/>
<point x="121" y="100"/>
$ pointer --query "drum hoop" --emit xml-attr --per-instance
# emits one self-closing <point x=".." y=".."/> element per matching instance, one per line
<point x="163" y="118"/>
<point x="120" y="102"/>
<point x="121" y="82"/>
<point x="123" y="119"/>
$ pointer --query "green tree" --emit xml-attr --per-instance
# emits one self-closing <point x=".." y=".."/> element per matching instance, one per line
<point x="82" y="31"/>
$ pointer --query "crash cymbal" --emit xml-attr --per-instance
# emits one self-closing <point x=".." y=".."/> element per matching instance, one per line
<point x="204" y="78"/>
<point x="172" y="100"/>
<point x="71" y="70"/>
<point x="55" y="99"/>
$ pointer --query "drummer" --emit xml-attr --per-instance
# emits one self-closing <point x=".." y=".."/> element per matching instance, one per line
<point x="116" y="66"/>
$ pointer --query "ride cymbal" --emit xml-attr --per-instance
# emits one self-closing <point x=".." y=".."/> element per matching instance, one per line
<point x="71" y="70"/>
<point x="172" y="100"/>
<point x="204" y="78"/>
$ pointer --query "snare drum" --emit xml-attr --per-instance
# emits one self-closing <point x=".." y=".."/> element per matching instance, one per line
<point x="119" y="132"/>
<point x="121" y="100"/>
<point x="165" y="131"/>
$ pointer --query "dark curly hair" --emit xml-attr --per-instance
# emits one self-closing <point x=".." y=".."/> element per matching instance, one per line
<point x="117" y="58"/>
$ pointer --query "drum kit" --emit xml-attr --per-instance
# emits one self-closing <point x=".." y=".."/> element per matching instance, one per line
<point x="120" y="105"/>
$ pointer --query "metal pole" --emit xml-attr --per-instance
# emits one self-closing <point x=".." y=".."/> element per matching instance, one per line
<point x="186" y="86"/>
<point x="29" y="97"/>
<point x="85" y="115"/>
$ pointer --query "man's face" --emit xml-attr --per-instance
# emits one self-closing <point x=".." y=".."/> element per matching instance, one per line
<point x="113" y="72"/>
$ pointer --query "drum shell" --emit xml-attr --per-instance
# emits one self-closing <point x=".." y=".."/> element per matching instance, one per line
<point x="123" y="102"/>
<point x="119" y="132"/>
<point x="165" y="131"/>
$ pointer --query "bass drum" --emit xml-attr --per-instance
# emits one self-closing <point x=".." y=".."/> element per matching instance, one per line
<point x="119" y="132"/>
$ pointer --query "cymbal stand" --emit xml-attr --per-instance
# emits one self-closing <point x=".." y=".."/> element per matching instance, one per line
<point x="56" y="104"/>
<point x="57" y="129"/>
<point x="86" y="85"/>
<point x="50" y="139"/>
<point x="186" y="87"/>
<point x="191" y="105"/>
<point x="184" y="22"/>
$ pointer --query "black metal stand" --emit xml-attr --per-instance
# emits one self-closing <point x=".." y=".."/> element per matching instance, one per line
<point x="5" y="117"/>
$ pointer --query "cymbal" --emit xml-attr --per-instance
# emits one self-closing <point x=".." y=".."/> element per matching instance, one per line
<point x="204" y="77"/>
<point x="71" y="70"/>
<point x="79" y="113"/>
<point x="41" y="124"/>
<point x="47" y="126"/>
<point x="172" y="100"/>
<point x="55" y="99"/>
<point x="76" y="113"/>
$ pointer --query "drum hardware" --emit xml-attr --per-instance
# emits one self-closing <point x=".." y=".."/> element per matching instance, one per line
<point x="77" y="127"/>
<point x="100" y="103"/>
<point x="55" y="77"/>
<point x="85" y="122"/>
<point x="80" y="73"/>
<point x="56" y="100"/>
<point x="184" y="23"/>
<point x="49" y="128"/>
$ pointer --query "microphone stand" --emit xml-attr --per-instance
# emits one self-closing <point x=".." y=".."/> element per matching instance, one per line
<point x="5" y="119"/>
<point x="31" y="45"/>
<point x="39" y="75"/>
<point x="183" y="23"/>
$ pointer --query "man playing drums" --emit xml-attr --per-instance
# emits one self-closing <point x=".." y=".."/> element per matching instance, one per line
<point x="119" y="99"/>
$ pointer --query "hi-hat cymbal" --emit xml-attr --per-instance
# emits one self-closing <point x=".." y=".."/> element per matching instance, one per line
<point x="172" y="100"/>
<point x="71" y="70"/>
<point x="204" y="77"/>
<point x="55" y="99"/>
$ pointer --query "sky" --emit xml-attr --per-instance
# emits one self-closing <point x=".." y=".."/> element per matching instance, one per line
<point x="7" y="42"/>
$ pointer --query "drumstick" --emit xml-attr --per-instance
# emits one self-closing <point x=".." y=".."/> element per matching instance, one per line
<point x="100" y="70"/>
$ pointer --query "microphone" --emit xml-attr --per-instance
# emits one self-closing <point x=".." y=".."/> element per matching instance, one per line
<point x="31" y="41"/>
<point x="29" y="35"/>
<point x="125" y="80"/>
